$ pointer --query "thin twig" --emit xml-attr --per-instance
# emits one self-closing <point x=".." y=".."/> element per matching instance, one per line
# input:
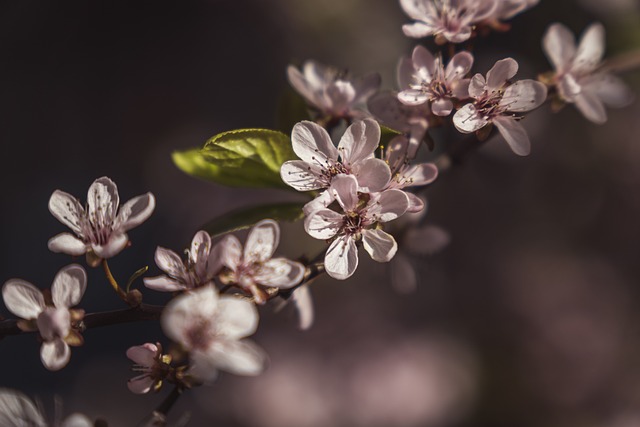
<point x="112" y="281"/>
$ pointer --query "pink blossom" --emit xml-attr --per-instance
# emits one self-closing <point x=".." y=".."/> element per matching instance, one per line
<point x="151" y="363"/>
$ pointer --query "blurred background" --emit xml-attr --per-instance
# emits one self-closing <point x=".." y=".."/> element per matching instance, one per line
<point x="529" y="317"/>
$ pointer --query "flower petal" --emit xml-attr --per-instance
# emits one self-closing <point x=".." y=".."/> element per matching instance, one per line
<point x="238" y="357"/>
<point x="380" y="245"/>
<point x="459" y="65"/>
<point x="215" y="261"/>
<point x="231" y="250"/>
<point x="416" y="204"/>
<point x="199" y="252"/>
<point x="442" y="107"/>
<point x="477" y="86"/>
<point x="262" y="242"/>
<point x="68" y="210"/>
<point x="117" y="242"/>
<point x="301" y="175"/>
<point x="304" y="306"/>
<point x="420" y="174"/>
<point x="280" y="273"/>
<point x="141" y="384"/>
<point x="55" y="354"/>
<point x="236" y="318"/>
<point x="169" y="262"/>
<point x="502" y="71"/>
<point x="524" y="95"/>
<point x="312" y="143"/>
<point x="424" y="63"/>
<point x="22" y="298"/>
<point x="203" y="366"/>
<point x="323" y="223"/>
<point x="54" y="323"/>
<point x="515" y="134"/>
<point x="102" y="201"/>
<point x="164" y="284"/>
<point x="323" y="200"/>
<point x="77" y="420"/>
<point x="67" y="243"/>
<point x="590" y="50"/>
<point x="389" y="205"/>
<point x="467" y="119"/>
<point x="69" y="286"/>
<point x="17" y="410"/>
<point x="366" y="86"/>
<point x="341" y="259"/>
<point x="182" y="312"/>
<point x="344" y="189"/>
<point x="143" y="355"/>
<point x="136" y="211"/>
<point x="611" y="90"/>
<point x="418" y="30"/>
<point x="413" y="97"/>
<point x="359" y="141"/>
<point x="299" y="83"/>
<point x="372" y="174"/>
<point x="591" y="107"/>
<point x="559" y="46"/>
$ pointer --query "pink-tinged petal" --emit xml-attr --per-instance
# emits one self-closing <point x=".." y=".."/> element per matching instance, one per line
<point x="359" y="141"/>
<point x="404" y="72"/>
<point x="231" y="250"/>
<point x="203" y="366"/>
<point x="238" y="357"/>
<point x="280" y="273"/>
<point x="262" y="241"/>
<point x="236" y="318"/>
<point x="460" y="89"/>
<point x="169" y="262"/>
<point x="117" y="242"/>
<point x="303" y="303"/>
<point x="389" y="205"/>
<point x="514" y="133"/>
<point x="372" y="175"/>
<point x="183" y="312"/>
<point x="136" y="211"/>
<point x="68" y="210"/>
<point x="460" y="35"/>
<point x="569" y="88"/>
<point x="591" y="107"/>
<point x="22" y="298"/>
<point x="164" y="284"/>
<point x="590" y="50"/>
<point x="366" y="86"/>
<point x="67" y="244"/>
<point x="559" y="45"/>
<point x="77" y="420"/>
<point x="420" y="174"/>
<point x="413" y="8"/>
<point x="141" y="384"/>
<point x="403" y="275"/>
<point x="416" y="204"/>
<point x="459" y="65"/>
<point x="524" y="95"/>
<point x="17" y="410"/>
<point x="143" y="355"/>
<point x="477" y="86"/>
<point x="396" y="153"/>
<point x="426" y="240"/>
<point x="312" y="143"/>
<point x="55" y="354"/>
<point x="418" y="30"/>
<point x="54" y="323"/>
<point x="215" y="261"/>
<point x="467" y="119"/>
<point x="502" y="71"/>
<point x="611" y="90"/>
<point x="380" y="245"/>
<point x="341" y="259"/>
<point x="442" y="107"/>
<point x="424" y="62"/>
<point x="339" y="96"/>
<point x="412" y="97"/>
<point x="199" y="252"/>
<point x="69" y="286"/>
<point x="299" y="83"/>
<point x="323" y="224"/>
<point x="484" y="9"/>
<point x="318" y="75"/>
<point x="301" y="175"/>
<point x="344" y="189"/>
<point x="323" y="200"/>
<point x="102" y="201"/>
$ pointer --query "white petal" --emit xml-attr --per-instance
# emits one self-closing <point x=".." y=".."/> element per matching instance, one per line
<point x="559" y="45"/>
<point x="236" y="318"/>
<point x="323" y="200"/>
<point x="231" y="251"/>
<point x="76" y="420"/>
<point x="54" y="323"/>
<point x="102" y="201"/>
<point x="117" y="242"/>
<point x="339" y="97"/>
<point x="17" y="410"/>
<point x="199" y="252"/>
<point x="524" y="95"/>
<point x="68" y="210"/>
<point x="502" y="71"/>
<point x="344" y="189"/>
<point x="467" y="119"/>
<point x="423" y="61"/>
<point x="416" y="204"/>
<point x="68" y="244"/>
<point x="372" y="174"/>
<point x="359" y="141"/>
<point x="341" y="259"/>
<point x="215" y="261"/>
<point x="590" y="50"/>
<point x="380" y="245"/>
<point x="203" y="366"/>
<point x="183" y="313"/>
<point x="304" y="306"/>
<point x="477" y="86"/>
<point x="323" y="224"/>
<point x="262" y="241"/>
<point x="169" y="262"/>
<point x="591" y="107"/>
<point x="412" y="97"/>
<point x="420" y="174"/>
<point x="413" y="8"/>
<point x="515" y="134"/>
<point x="312" y="143"/>
<point x="141" y="384"/>
<point x="280" y="273"/>
<point x="69" y="286"/>
<point x="238" y="357"/>
<point x="55" y="354"/>
<point x="301" y="175"/>
<point x="136" y="211"/>
<point x="22" y="298"/>
<point x="418" y="30"/>
<point x="611" y="90"/>
<point x="459" y="65"/>
<point x="299" y="83"/>
<point x="164" y="284"/>
<point x="143" y="355"/>
<point x="389" y="205"/>
<point x="442" y="107"/>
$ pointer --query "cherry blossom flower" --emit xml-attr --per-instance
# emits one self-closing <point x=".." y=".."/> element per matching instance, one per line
<point x="211" y="328"/>
<point x="495" y="100"/>
<point x="17" y="410"/>
<point x="356" y="224"/>
<point x="100" y="228"/>
<point x="579" y="76"/>
<point x="447" y="20"/>
<point x="51" y="318"/>
<point x="253" y="268"/>
<point x="201" y="266"/>
<point x="152" y="364"/>
<point x="332" y="92"/>
<point x="423" y="78"/>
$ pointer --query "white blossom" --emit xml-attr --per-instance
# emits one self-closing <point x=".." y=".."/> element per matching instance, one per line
<point x="52" y="319"/>
<point x="17" y="410"/>
<point x="100" y="228"/>
<point x="579" y="76"/>
<point x="495" y="101"/>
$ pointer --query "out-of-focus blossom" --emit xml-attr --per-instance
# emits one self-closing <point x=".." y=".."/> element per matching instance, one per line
<point x="355" y="224"/>
<point x="423" y="78"/>
<point x="152" y="365"/>
<point x="202" y="264"/>
<point x="334" y="93"/>
<point x="211" y="328"/>
<point x="51" y="318"/>
<point x="579" y="78"/>
<point x="507" y="9"/>
<point x="17" y="410"/>
<point x="495" y="101"/>
<point x="302" y="302"/>
<point x="101" y="228"/>
<point x="446" y="20"/>
<point x="253" y="268"/>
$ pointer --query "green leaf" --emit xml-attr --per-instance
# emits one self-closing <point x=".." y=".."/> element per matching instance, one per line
<point x="387" y="134"/>
<point x="247" y="217"/>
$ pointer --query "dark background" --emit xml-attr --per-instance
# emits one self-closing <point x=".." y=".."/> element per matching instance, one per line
<point x="528" y="318"/>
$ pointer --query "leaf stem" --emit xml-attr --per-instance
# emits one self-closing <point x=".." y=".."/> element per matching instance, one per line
<point x="112" y="281"/>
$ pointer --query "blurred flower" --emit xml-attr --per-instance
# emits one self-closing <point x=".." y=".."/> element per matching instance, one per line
<point x="302" y="302"/>
<point x="211" y="327"/>
<point x="507" y="9"/>
<point x="52" y="318"/>
<point x="17" y="410"/>
<point x="333" y="93"/>
<point x="495" y="100"/>
<point x="100" y="228"/>
<point x="149" y="360"/>
<point x="201" y="266"/>
<point x="579" y="78"/>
